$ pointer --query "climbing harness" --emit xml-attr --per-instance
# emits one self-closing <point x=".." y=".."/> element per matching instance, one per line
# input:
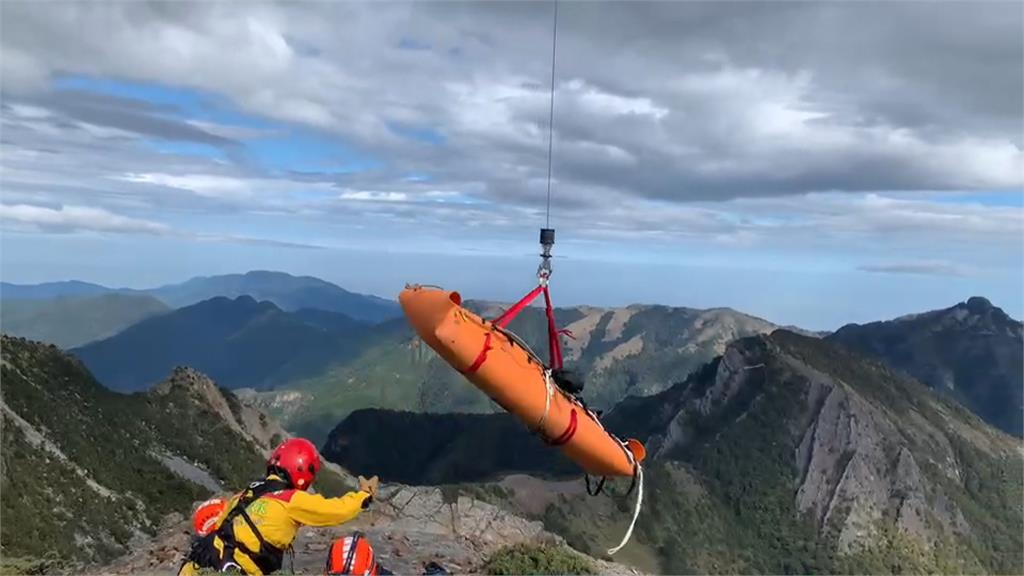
<point x="269" y="557"/>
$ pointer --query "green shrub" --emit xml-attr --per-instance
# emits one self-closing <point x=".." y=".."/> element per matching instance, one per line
<point x="22" y="566"/>
<point x="533" y="559"/>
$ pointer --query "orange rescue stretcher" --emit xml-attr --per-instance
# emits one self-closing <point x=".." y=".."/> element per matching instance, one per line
<point x="494" y="360"/>
<point x="503" y="367"/>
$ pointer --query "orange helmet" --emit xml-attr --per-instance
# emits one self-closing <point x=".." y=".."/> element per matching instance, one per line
<point x="204" y="519"/>
<point x="298" y="459"/>
<point x="352" y="555"/>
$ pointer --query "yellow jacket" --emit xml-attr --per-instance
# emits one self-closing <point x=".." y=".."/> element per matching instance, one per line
<point x="278" y="516"/>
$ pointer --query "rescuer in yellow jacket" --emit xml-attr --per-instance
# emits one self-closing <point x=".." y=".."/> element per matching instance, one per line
<point x="259" y="524"/>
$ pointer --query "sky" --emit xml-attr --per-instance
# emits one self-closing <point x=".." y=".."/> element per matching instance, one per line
<point x="811" y="163"/>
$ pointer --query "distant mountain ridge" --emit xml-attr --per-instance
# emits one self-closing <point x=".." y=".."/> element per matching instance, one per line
<point x="70" y="321"/>
<point x="239" y="342"/>
<point x="288" y="292"/>
<point x="65" y="289"/>
<point x="972" y="351"/>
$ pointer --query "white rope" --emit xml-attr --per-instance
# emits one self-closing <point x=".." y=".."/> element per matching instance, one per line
<point x="639" y="469"/>
<point x="547" y="402"/>
<point x="636" y="510"/>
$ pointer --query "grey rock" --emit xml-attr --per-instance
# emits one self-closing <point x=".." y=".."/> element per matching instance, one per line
<point x="407" y="526"/>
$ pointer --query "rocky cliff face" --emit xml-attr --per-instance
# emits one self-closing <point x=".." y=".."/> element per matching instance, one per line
<point x="874" y="462"/>
<point x="240" y="416"/>
<point x="641" y="350"/>
<point x="86" y="471"/>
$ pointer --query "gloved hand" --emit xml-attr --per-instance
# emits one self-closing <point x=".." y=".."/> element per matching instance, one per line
<point x="370" y="487"/>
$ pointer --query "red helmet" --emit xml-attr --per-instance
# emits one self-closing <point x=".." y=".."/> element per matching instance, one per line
<point x="298" y="458"/>
<point x="352" y="555"/>
<point x="204" y="519"/>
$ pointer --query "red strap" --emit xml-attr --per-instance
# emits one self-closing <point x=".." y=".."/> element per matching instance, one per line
<point x="516" y="308"/>
<point x="283" y="495"/>
<point x="481" y="357"/>
<point x="554" y="346"/>
<point x="570" y="431"/>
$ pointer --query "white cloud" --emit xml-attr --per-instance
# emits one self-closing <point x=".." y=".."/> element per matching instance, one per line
<point x="925" y="268"/>
<point x="28" y="112"/>
<point x="77" y="219"/>
<point x="412" y="195"/>
<point x="83" y="219"/>
<point x="777" y="120"/>
<point x="681" y="122"/>
<point x="202" y="184"/>
<point x="604" y="103"/>
<point x="255" y="193"/>
<point x="374" y="196"/>
<point x="886" y="218"/>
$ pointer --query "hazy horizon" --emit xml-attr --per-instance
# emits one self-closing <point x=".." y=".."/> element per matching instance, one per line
<point x="579" y="282"/>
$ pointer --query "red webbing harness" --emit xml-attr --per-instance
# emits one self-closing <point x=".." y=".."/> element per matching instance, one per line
<point x="554" y="346"/>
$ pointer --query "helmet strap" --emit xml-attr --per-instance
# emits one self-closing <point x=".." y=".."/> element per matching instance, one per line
<point x="278" y="471"/>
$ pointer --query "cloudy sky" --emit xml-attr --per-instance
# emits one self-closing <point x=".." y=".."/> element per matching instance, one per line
<point x="810" y="163"/>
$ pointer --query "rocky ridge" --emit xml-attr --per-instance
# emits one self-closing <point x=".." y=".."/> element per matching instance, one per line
<point x="408" y="527"/>
<point x="972" y="352"/>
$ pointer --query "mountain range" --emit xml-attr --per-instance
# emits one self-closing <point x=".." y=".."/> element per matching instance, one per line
<point x="293" y="341"/>
<point x="46" y="290"/>
<point x="312" y="366"/>
<point x="634" y="350"/>
<point x="973" y="352"/>
<point x="786" y="454"/>
<point x="769" y="451"/>
<point x="319" y="364"/>
<point x="288" y="292"/>
<point x="641" y="350"/>
<point x="70" y="321"/>
<point x="239" y="342"/>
